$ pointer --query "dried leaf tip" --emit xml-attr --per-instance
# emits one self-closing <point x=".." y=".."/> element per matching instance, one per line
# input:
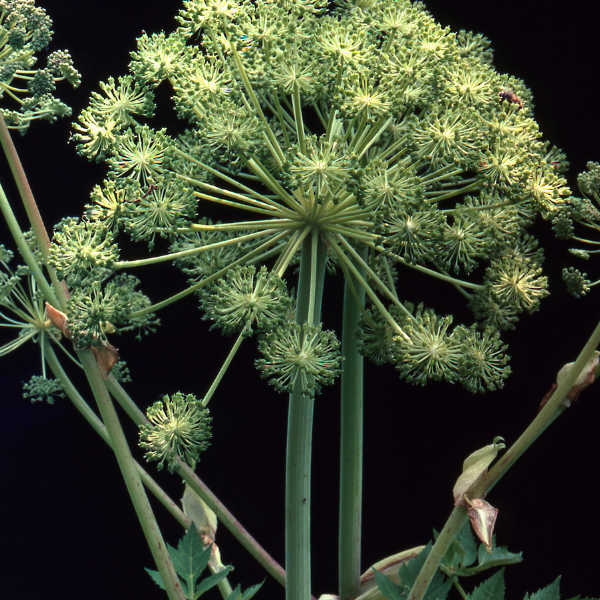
<point x="483" y="518"/>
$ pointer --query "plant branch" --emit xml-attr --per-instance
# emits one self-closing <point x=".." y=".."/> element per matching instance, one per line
<point x="486" y="482"/>
<point x="351" y="445"/>
<point x="131" y="477"/>
<point x="35" y="219"/>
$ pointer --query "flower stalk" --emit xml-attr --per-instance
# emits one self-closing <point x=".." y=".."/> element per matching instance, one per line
<point x="351" y="444"/>
<point x="299" y="436"/>
<point x="131" y="477"/>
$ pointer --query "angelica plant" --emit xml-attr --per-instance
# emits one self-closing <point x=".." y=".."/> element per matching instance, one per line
<point x="358" y="140"/>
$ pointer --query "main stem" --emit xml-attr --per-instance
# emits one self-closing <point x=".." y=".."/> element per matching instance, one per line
<point x="131" y="477"/>
<point x="351" y="448"/>
<point x="299" y="435"/>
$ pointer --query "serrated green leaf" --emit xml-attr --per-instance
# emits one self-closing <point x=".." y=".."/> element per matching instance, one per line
<point x="438" y="588"/>
<point x="252" y="590"/>
<point x="490" y="589"/>
<point x="461" y="553"/>
<point x="386" y="586"/>
<point x="408" y="571"/>
<point x="550" y="592"/>
<point x="454" y="557"/>
<point x="499" y="556"/>
<point x="236" y="594"/>
<point x="156" y="578"/>
<point x="211" y="581"/>
<point x="468" y="543"/>
<point x="190" y="558"/>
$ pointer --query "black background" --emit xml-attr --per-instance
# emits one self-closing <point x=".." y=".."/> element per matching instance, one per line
<point x="67" y="528"/>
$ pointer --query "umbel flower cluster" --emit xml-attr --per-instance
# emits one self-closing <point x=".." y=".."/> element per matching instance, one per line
<point x="367" y="125"/>
<point x="25" y="30"/>
<point x="584" y="212"/>
<point x="179" y="427"/>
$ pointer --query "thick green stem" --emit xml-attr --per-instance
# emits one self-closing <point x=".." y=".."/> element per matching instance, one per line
<point x="26" y="253"/>
<point x="547" y="415"/>
<point x="453" y="525"/>
<point x="552" y="409"/>
<point x="33" y="213"/>
<point x="351" y="450"/>
<point x="299" y="435"/>
<point x="131" y="477"/>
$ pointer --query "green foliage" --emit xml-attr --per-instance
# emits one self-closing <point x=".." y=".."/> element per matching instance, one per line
<point x="461" y="557"/>
<point x="237" y="593"/>
<point x="408" y="572"/>
<point x="190" y="559"/>
<point x="490" y="589"/>
<point x="179" y="426"/>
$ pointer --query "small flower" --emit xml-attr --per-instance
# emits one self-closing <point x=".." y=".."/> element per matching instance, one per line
<point x="576" y="281"/>
<point x="246" y="298"/>
<point x="231" y="130"/>
<point x="79" y="247"/>
<point x="414" y="234"/>
<point x="484" y="361"/>
<point x="122" y="100"/>
<point x="324" y="166"/>
<point x="517" y="283"/>
<point x="589" y="181"/>
<point x="202" y="263"/>
<point x="562" y="225"/>
<point x="160" y="210"/>
<point x="200" y="14"/>
<point x="376" y="338"/>
<point x="93" y="312"/>
<point x="305" y="355"/>
<point x="431" y="352"/>
<point x="157" y="57"/>
<point x="546" y="189"/>
<point x="464" y="241"/>
<point x="140" y="155"/>
<point x="180" y="426"/>
<point x="39" y="388"/>
<point x="109" y="204"/>
<point x="27" y="29"/>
